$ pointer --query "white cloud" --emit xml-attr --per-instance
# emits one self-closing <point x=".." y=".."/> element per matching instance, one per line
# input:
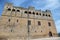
<point x="52" y="4"/>
<point x="47" y="4"/>
<point x="58" y="25"/>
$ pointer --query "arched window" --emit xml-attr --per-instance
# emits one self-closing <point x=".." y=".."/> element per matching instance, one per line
<point x="50" y="34"/>
<point x="40" y="13"/>
<point x="43" y="14"/>
<point x="25" y="12"/>
<point x="29" y="12"/>
<point x="18" y="10"/>
<point x="49" y="15"/>
<point x="9" y="9"/>
<point x="13" y="9"/>
<point x="34" y="13"/>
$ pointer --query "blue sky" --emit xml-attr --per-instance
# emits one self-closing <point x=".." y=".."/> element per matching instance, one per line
<point x="53" y="5"/>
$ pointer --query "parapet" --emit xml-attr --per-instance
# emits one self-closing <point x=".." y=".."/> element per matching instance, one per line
<point x="31" y="8"/>
<point x="48" y="11"/>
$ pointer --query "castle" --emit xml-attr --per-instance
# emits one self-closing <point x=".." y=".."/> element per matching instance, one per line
<point x="21" y="23"/>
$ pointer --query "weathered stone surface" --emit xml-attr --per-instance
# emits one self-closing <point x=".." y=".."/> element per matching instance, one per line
<point x="14" y="23"/>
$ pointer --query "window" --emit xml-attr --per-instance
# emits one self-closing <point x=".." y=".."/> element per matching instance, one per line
<point x="11" y="30"/>
<point x="41" y="30"/>
<point x="49" y="15"/>
<point x="36" y="13"/>
<point x="18" y="10"/>
<point x="49" y="24"/>
<point x="46" y="14"/>
<point x="29" y="12"/>
<point x="13" y="9"/>
<point x="43" y="14"/>
<point x="29" y="22"/>
<point x="25" y="11"/>
<point x="40" y="13"/>
<point x="50" y="34"/>
<point x="39" y="23"/>
<point x="17" y="20"/>
<point x="9" y="9"/>
<point x="35" y="31"/>
<point x="9" y="20"/>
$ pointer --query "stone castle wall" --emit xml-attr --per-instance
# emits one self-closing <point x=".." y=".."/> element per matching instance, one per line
<point x="14" y="22"/>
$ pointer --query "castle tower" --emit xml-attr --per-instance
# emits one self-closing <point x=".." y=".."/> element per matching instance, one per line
<point x="18" y="22"/>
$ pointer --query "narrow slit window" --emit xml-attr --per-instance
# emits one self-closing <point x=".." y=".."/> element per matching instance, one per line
<point x="11" y="30"/>
<point x="9" y="20"/>
<point x="39" y="23"/>
<point x="49" y="24"/>
<point x="29" y="22"/>
<point x="17" y="20"/>
<point x="46" y="14"/>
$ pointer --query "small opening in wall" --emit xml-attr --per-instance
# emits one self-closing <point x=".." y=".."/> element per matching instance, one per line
<point x="49" y="24"/>
<point x="25" y="11"/>
<point x="35" y="31"/>
<point x="29" y="12"/>
<point x="40" y="13"/>
<point x="43" y="14"/>
<point x="9" y="20"/>
<point x="11" y="30"/>
<point x="18" y="10"/>
<point x="9" y="9"/>
<point x="41" y="30"/>
<point x="39" y="23"/>
<point x="50" y="34"/>
<point x="34" y="13"/>
<point x="46" y="14"/>
<point x="13" y="9"/>
<point x="17" y="20"/>
<point x="49" y="15"/>
<point x="29" y="22"/>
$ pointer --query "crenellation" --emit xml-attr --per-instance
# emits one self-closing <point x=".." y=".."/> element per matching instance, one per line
<point x="17" y="11"/>
<point x="31" y="8"/>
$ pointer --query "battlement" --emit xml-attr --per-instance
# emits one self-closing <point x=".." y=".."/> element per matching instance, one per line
<point x="9" y="9"/>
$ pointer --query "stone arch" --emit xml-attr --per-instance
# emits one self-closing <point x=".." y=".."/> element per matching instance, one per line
<point x="50" y="34"/>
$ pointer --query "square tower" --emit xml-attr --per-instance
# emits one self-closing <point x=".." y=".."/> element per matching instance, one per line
<point x="18" y="22"/>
